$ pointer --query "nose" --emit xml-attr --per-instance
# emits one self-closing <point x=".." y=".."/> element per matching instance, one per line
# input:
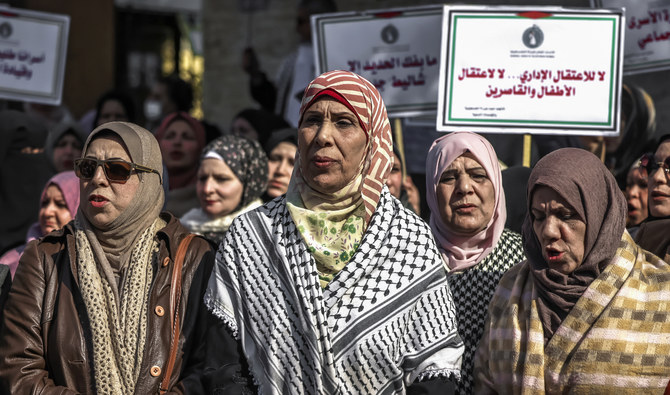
<point x="464" y="184"/>
<point x="99" y="177"/>
<point x="550" y="229"/>
<point x="324" y="135"/>
<point x="659" y="176"/>
<point x="283" y="168"/>
<point x="209" y="186"/>
<point x="633" y="192"/>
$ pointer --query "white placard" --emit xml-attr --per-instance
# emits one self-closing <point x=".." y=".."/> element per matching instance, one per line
<point x="520" y="70"/>
<point x="647" y="44"/>
<point x="396" y="49"/>
<point x="33" y="48"/>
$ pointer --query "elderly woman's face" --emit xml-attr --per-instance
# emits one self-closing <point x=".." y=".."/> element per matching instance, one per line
<point x="465" y="196"/>
<point x="636" y="196"/>
<point x="559" y="230"/>
<point x="332" y="145"/>
<point x="102" y="200"/>
<point x="218" y="188"/>
<point x="659" y="187"/>
<point x="179" y="147"/>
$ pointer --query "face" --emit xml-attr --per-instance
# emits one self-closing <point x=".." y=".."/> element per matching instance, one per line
<point x="54" y="213"/>
<point x="112" y="110"/>
<point x="241" y="127"/>
<point x="179" y="147"/>
<point x="559" y="230"/>
<point x="159" y="93"/>
<point x="303" y="25"/>
<point x="280" y="168"/>
<point x="659" y="188"/>
<point x="332" y="145"/>
<point x="465" y="196"/>
<point x="394" y="182"/>
<point x="636" y="196"/>
<point x="219" y="190"/>
<point x="103" y="201"/>
<point x="66" y="150"/>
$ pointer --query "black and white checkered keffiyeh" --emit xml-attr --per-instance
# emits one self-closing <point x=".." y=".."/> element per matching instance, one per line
<point x="384" y="321"/>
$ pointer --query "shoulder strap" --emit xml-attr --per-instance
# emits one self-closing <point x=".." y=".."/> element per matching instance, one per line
<point x="175" y="298"/>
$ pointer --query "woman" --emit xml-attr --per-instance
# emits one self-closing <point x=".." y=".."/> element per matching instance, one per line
<point x="637" y="194"/>
<point x="114" y="106"/>
<point x="181" y="138"/>
<point x="336" y="287"/>
<point x="58" y="205"/>
<point x="63" y="145"/>
<point x="89" y="310"/>
<point x="280" y="150"/>
<point x="231" y="179"/>
<point x="586" y="312"/>
<point x="467" y="204"/>
<point x="401" y="186"/>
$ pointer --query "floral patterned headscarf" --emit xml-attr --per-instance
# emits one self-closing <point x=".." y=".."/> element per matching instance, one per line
<point x="332" y="225"/>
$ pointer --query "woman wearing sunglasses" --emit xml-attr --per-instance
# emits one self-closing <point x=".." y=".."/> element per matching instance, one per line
<point x="653" y="234"/>
<point x="90" y="309"/>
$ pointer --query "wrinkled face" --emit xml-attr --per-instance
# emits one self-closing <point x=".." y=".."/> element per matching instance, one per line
<point x="66" y="150"/>
<point x="101" y="200"/>
<point x="636" y="196"/>
<point x="659" y="188"/>
<point x="241" y="127"/>
<point x="559" y="229"/>
<point x="179" y="147"/>
<point x="332" y="145"/>
<point x="112" y="110"/>
<point x="394" y="182"/>
<point x="280" y="168"/>
<point x="465" y="196"/>
<point x="54" y="213"/>
<point x="218" y="188"/>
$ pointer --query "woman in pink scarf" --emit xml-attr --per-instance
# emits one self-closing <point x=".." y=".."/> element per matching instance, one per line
<point x="467" y="203"/>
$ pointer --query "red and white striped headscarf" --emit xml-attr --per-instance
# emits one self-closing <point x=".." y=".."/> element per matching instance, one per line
<point x="363" y="99"/>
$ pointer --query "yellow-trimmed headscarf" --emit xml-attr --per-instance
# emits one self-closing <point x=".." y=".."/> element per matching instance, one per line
<point x="332" y="225"/>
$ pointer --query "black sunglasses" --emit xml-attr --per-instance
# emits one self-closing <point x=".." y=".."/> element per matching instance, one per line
<point x="650" y="165"/>
<point x="116" y="170"/>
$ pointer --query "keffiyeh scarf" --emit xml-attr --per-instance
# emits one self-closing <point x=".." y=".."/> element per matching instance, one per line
<point x="386" y="320"/>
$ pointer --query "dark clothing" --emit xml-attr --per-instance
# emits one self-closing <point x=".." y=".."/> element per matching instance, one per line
<point x="652" y="235"/>
<point x="45" y="338"/>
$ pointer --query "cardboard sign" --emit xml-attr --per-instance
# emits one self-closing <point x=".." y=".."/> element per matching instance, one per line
<point x="33" y="48"/>
<point x="647" y="43"/>
<point x="521" y="70"/>
<point x="397" y="50"/>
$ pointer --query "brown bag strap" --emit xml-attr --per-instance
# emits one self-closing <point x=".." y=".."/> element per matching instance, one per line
<point x="175" y="298"/>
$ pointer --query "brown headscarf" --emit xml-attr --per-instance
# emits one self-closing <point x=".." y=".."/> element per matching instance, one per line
<point x="586" y="184"/>
<point x="113" y="244"/>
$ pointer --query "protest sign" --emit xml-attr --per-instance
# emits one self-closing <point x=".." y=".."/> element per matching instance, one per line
<point x="647" y="43"/>
<point x="33" y="48"/>
<point x="395" y="49"/>
<point x="521" y="70"/>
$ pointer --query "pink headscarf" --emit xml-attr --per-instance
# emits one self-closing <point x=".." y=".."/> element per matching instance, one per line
<point x="462" y="252"/>
<point x="68" y="183"/>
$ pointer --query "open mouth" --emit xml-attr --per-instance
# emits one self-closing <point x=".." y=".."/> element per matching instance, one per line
<point x="97" y="200"/>
<point x="554" y="255"/>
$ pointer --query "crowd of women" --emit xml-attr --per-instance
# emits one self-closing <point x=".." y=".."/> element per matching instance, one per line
<point x="276" y="260"/>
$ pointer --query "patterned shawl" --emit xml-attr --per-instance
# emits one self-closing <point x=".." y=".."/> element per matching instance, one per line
<point x="615" y="340"/>
<point x="462" y="252"/>
<point x="333" y="224"/>
<point x="385" y="320"/>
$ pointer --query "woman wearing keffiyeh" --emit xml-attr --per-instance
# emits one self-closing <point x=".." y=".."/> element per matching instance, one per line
<point x="336" y="287"/>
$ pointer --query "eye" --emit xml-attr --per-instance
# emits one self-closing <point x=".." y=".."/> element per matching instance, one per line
<point x="447" y="178"/>
<point x="311" y="119"/>
<point x="221" y="179"/>
<point x="344" y="123"/>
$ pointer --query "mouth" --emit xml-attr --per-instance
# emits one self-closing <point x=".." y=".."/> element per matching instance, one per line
<point x="176" y="155"/>
<point x="323" y="162"/>
<point x="277" y="184"/>
<point x="97" y="200"/>
<point x="464" y="207"/>
<point x="553" y="255"/>
<point x="210" y="202"/>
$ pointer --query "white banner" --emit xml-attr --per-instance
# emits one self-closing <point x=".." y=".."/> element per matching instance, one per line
<point x="33" y="48"/>
<point x="647" y="44"/>
<point x="397" y="50"/>
<point x="521" y="70"/>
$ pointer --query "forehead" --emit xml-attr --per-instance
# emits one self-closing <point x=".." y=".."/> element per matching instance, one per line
<point x="53" y="191"/>
<point x="180" y="125"/>
<point x="327" y="103"/>
<point x="284" y="148"/>
<point x="663" y="150"/>
<point x="467" y="160"/>
<point x="106" y="147"/>
<point x="215" y="166"/>
<point x="543" y="195"/>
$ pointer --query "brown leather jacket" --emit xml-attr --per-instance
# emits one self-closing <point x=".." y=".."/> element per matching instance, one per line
<point x="45" y="336"/>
